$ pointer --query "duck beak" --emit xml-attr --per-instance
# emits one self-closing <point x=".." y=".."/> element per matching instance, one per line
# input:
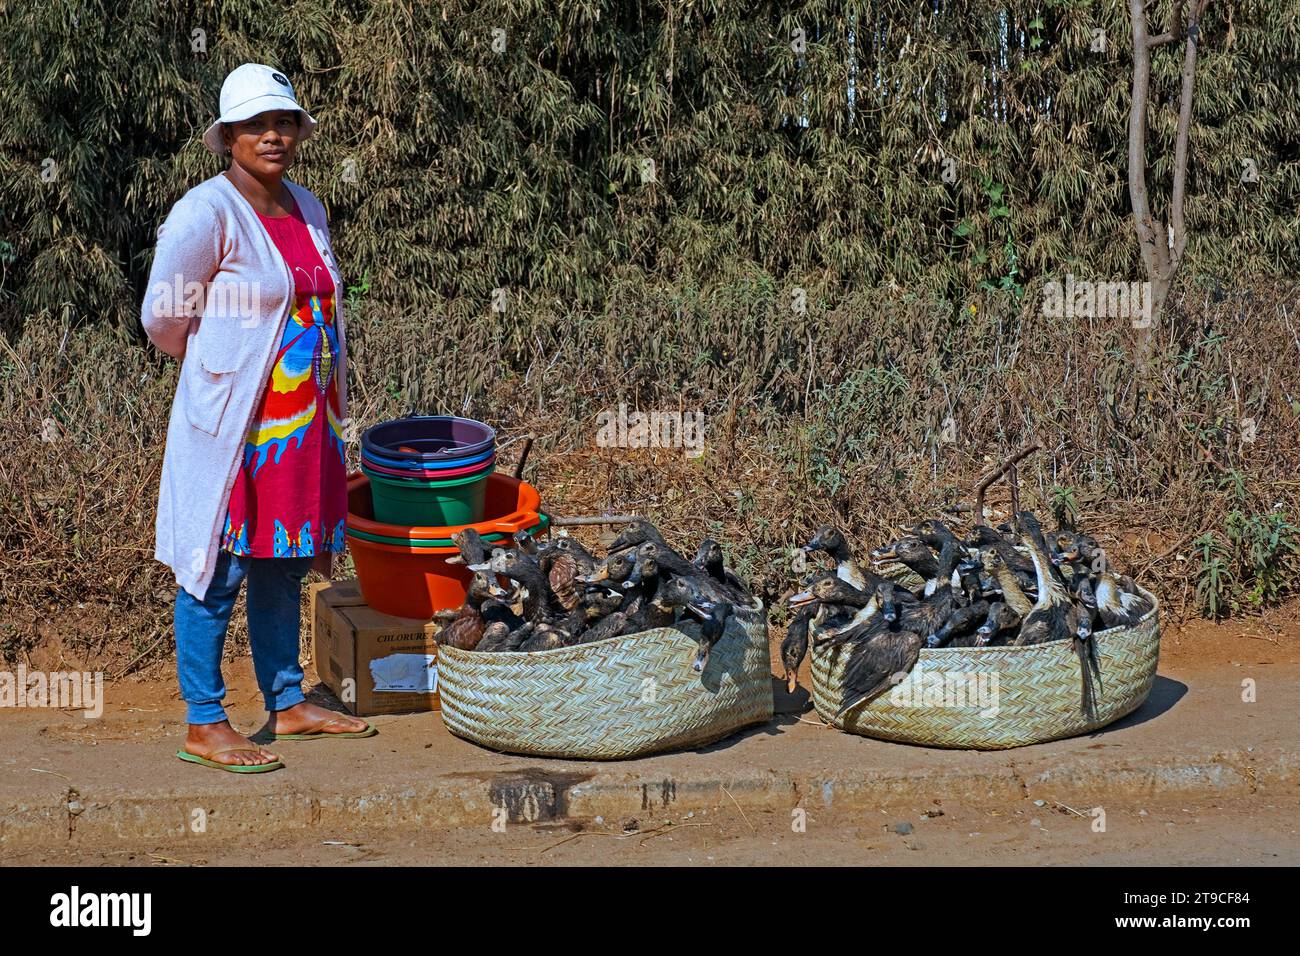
<point x="605" y="586"/>
<point x="702" y="608"/>
<point x="791" y="681"/>
<point x="881" y="555"/>
<point x="889" y="611"/>
<point x="983" y="635"/>
<point x="801" y="599"/>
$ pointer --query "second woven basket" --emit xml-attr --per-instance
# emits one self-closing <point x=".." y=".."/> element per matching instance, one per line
<point x="612" y="699"/>
<point x="991" y="698"/>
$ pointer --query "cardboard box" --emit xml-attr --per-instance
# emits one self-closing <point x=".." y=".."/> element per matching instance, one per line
<point x="373" y="662"/>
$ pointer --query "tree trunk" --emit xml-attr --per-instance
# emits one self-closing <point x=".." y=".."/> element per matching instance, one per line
<point x="1162" y="244"/>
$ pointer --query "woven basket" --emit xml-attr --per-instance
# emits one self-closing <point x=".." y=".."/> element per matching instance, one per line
<point x="612" y="699"/>
<point x="991" y="698"/>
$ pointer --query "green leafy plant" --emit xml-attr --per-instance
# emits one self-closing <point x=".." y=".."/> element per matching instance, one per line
<point x="1214" y="580"/>
<point x="1062" y="499"/>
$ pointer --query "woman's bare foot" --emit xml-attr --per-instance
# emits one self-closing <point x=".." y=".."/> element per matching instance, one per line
<point x="305" y="718"/>
<point x="204" y="740"/>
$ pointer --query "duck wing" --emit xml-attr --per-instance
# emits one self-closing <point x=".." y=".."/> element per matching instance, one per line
<point x="872" y="665"/>
<point x="494" y="638"/>
<point x="845" y="628"/>
<point x="611" y="625"/>
<point x="465" y="632"/>
<point x="1053" y="622"/>
<point x="560" y="579"/>
<point x="516" y="638"/>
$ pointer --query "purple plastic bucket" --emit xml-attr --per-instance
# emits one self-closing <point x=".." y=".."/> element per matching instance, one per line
<point x="428" y="438"/>
<point x="428" y="474"/>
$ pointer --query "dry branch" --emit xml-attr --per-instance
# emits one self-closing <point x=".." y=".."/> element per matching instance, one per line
<point x="1002" y="469"/>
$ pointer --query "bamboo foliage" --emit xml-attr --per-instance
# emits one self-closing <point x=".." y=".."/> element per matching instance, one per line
<point x="551" y="148"/>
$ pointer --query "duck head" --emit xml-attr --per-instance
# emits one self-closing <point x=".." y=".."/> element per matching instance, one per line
<point x="829" y="589"/>
<point x="598" y="602"/>
<point x="568" y="545"/>
<point x="933" y="532"/>
<point x="646" y="569"/>
<point x="525" y="543"/>
<point x="991" y="561"/>
<point x="709" y="554"/>
<point x="471" y="546"/>
<point x="610" y="573"/>
<point x="1069" y="546"/>
<point x="827" y="538"/>
<point x="483" y="586"/>
<point x="885" y="600"/>
<point x="982" y="536"/>
<point x="635" y="532"/>
<point x="905" y="550"/>
<point x="680" y="593"/>
<point x="1000" y="618"/>
<point x="1087" y="596"/>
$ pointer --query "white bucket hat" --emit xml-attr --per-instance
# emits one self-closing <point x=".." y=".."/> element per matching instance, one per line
<point x="251" y="89"/>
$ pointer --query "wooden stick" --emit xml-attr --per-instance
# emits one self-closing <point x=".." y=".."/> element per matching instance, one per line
<point x="742" y="812"/>
<point x="594" y="519"/>
<point x="996" y="474"/>
<point x="523" y="457"/>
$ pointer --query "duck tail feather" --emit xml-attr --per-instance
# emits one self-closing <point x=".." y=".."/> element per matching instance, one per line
<point x="1095" y="661"/>
<point x="1085" y="674"/>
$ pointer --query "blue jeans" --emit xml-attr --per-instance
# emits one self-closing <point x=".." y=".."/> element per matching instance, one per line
<point x="274" y="593"/>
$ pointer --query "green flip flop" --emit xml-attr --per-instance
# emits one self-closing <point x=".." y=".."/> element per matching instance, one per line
<point x="232" y="768"/>
<point x="370" y="731"/>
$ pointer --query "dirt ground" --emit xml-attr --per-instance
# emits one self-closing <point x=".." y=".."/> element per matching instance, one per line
<point x="1199" y="827"/>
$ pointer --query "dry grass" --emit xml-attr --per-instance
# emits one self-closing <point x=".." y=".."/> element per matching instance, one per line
<point x="834" y="415"/>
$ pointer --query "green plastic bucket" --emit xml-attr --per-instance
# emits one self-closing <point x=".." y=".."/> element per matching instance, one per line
<point x="456" y="501"/>
<point x="443" y="542"/>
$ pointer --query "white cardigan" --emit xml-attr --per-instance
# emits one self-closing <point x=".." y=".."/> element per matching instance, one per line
<point x="218" y="297"/>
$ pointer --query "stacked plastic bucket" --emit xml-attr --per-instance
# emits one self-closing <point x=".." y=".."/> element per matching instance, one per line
<point x="423" y="479"/>
<point x="430" y="470"/>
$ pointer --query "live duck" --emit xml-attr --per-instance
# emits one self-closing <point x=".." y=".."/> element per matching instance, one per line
<point x="1055" y="616"/>
<point x="830" y="540"/>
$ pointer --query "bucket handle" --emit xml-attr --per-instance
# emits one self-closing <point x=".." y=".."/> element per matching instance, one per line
<point x="512" y="522"/>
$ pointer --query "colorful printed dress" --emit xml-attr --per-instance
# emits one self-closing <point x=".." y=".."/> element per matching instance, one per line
<point x="290" y="496"/>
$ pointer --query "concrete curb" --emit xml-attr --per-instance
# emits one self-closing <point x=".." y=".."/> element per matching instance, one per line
<point x="545" y="795"/>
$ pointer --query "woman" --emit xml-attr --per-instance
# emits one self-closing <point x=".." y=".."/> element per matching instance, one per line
<point x="244" y="291"/>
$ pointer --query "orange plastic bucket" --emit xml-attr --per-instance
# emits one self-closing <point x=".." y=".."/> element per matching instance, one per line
<point x="418" y="582"/>
<point x="512" y="504"/>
